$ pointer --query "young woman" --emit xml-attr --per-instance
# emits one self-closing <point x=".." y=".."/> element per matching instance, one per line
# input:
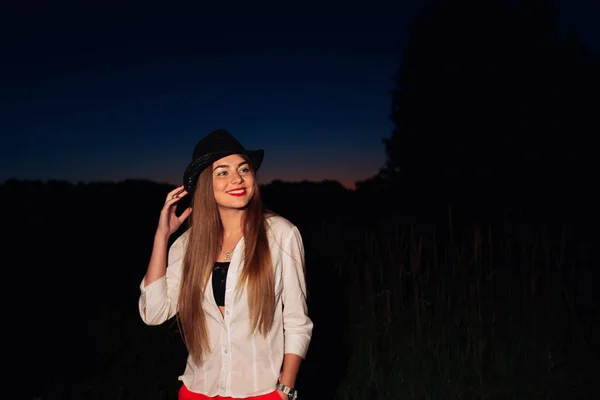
<point x="235" y="279"/>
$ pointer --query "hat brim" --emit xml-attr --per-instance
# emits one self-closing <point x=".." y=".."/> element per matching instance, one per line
<point x="195" y="168"/>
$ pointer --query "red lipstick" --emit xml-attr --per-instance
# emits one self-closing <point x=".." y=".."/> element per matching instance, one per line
<point x="237" y="192"/>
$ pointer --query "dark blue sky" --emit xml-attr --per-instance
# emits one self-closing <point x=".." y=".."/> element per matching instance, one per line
<point x="99" y="95"/>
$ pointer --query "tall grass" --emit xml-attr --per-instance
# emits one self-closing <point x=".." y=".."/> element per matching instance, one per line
<point x="438" y="314"/>
<point x="435" y="312"/>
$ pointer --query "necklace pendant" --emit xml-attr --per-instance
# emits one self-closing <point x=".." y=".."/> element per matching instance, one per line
<point x="227" y="256"/>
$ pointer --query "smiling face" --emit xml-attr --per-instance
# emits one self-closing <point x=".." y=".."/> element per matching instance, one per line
<point x="233" y="182"/>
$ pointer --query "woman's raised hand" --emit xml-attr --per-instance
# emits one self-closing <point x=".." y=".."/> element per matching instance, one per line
<point x="169" y="222"/>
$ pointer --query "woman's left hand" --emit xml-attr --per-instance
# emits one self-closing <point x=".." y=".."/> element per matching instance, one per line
<point x="282" y="395"/>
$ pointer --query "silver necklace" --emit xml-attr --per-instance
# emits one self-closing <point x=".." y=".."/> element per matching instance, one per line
<point x="227" y="254"/>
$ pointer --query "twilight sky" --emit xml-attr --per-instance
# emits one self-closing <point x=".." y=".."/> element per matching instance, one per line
<point x="96" y="94"/>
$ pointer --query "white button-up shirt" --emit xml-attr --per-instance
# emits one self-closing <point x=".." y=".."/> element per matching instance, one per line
<point x="240" y="364"/>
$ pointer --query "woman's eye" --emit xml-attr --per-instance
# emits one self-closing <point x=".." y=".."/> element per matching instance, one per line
<point x="245" y="170"/>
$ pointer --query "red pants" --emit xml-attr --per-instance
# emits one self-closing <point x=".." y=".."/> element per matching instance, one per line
<point x="185" y="394"/>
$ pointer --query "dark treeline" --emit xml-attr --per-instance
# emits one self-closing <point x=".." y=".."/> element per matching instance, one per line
<point x="485" y="209"/>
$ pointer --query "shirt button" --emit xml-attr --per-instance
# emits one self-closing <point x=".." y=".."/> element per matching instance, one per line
<point x="227" y="312"/>
<point x="226" y="353"/>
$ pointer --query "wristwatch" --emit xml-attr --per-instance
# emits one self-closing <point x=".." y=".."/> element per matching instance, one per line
<point x="291" y="393"/>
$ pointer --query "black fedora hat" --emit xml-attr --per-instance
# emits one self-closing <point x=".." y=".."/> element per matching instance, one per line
<point x="217" y="144"/>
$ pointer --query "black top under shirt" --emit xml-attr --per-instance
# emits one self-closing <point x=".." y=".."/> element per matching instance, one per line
<point x="218" y="281"/>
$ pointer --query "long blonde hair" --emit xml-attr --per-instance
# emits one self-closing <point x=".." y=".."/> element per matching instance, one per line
<point x="202" y="251"/>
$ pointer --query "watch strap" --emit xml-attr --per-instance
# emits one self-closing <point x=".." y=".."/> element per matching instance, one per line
<point x="291" y="393"/>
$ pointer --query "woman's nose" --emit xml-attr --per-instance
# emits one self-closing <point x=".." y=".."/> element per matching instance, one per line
<point x="236" y="177"/>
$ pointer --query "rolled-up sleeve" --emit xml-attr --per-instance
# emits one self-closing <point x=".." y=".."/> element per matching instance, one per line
<point x="296" y="322"/>
<point x="159" y="298"/>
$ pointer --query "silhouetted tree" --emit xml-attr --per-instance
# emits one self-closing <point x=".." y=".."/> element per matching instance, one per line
<point x="491" y="103"/>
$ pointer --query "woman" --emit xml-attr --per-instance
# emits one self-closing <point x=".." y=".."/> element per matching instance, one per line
<point x="235" y="279"/>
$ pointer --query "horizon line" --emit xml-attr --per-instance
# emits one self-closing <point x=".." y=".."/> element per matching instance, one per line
<point x="158" y="182"/>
